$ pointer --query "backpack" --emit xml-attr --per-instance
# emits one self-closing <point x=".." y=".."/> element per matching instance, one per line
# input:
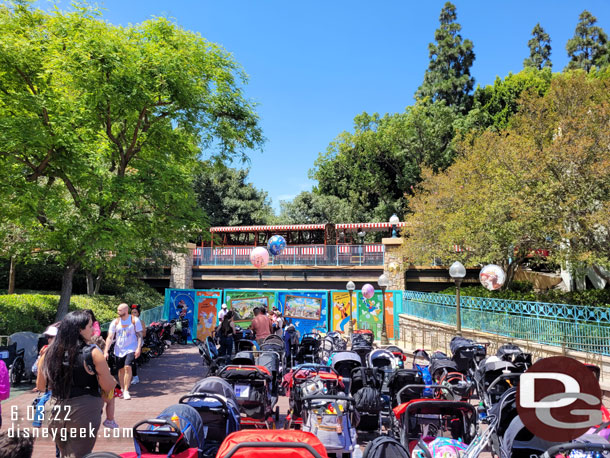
<point x="385" y="447"/>
<point x="367" y="400"/>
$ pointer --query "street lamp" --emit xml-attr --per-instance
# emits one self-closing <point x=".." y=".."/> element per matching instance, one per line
<point x="350" y="326"/>
<point x="383" y="282"/>
<point x="361" y="234"/>
<point x="457" y="271"/>
<point x="394" y="222"/>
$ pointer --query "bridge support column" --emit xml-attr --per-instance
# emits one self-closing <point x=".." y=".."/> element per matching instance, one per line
<point x="181" y="276"/>
<point x="393" y="264"/>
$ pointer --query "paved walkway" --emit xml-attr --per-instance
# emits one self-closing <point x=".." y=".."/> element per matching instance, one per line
<point x="163" y="381"/>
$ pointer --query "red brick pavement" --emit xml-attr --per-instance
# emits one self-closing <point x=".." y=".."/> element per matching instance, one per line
<point x="163" y="381"/>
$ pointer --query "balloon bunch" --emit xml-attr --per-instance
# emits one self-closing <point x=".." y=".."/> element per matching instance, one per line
<point x="259" y="257"/>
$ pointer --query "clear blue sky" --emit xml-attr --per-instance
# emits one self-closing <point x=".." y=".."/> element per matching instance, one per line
<point x="315" y="65"/>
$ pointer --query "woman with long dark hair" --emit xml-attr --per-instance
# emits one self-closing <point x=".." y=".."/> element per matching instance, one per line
<point x="226" y="333"/>
<point x="76" y="372"/>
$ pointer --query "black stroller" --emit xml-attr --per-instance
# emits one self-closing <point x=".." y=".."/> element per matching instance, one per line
<point x="308" y="349"/>
<point x="214" y="399"/>
<point x="444" y="371"/>
<point x="245" y="341"/>
<point x="465" y="353"/>
<point x="513" y="354"/>
<point x="362" y="343"/>
<point x="366" y="391"/>
<point x="14" y="360"/>
<point x="272" y="356"/>
<point x="332" y="343"/>
<point x="493" y="377"/>
<point x="344" y="362"/>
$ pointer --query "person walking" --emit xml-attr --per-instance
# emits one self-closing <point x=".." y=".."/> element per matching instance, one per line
<point x="278" y="323"/>
<point x="76" y="373"/>
<point x="126" y="333"/>
<point x="261" y="325"/>
<point x="226" y="334"/>
<point x="135" y="312"/>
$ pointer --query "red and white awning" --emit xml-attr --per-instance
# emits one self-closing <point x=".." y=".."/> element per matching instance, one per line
<point x="291" y="227"/>
<point x="369" y="226"/>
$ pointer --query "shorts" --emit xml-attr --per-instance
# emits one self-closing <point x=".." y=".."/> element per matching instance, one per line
<point x="126" y="360"/>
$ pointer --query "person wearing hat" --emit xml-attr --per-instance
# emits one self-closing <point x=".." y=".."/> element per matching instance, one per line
<point x="50" y="333"/>
<point x="222" y="313"/>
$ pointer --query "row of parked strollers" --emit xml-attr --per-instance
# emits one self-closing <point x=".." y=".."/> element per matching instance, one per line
<point x="418" y="405"/>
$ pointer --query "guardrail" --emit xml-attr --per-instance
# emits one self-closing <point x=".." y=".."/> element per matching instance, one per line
<point x="296" y="255"/>
<point x="574" y="327"/>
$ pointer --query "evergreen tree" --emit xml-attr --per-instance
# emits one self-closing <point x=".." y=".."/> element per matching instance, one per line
<point x="587" y="48"/>
<point x="540" y="50"/>
<point x="448" y="75"/>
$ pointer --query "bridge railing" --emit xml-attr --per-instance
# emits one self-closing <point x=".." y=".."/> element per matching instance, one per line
<point x="574" y="327"/>
<point x="296" y="255"/>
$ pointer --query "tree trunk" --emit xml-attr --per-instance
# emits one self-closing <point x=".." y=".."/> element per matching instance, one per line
<point x="90" y="285"/>
<point x="98" y="283"/>
<point x="66" y="291"/>
<point x="11" y="277"/>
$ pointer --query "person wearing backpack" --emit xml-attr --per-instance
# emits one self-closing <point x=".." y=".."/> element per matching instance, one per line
<point x="226" y="332"/>
<point x="126" y="333"/>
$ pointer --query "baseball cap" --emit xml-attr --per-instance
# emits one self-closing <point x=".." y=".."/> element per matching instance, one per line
<point x="224" y="306"/>
<point x="51" y="331"/>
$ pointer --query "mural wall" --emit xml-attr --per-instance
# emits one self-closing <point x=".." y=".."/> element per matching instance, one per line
<point x="208" y="305"/>
<point x="243" y="302"/>
<point x="307" y="310"/>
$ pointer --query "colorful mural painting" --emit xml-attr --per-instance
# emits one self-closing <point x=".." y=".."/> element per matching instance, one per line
<point x="208" y="304"/>
<point x="180" y="302"/>
<point x="243" y="302"/>
<point x="370" y="313"/>
<point x="307" y="310"/>
<point x="341" y="310"/>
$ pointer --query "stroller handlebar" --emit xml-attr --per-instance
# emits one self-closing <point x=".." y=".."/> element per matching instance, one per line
<point x="157" y="421"/>
<point x="200" y="395"/>
<point x="423" y="387"/>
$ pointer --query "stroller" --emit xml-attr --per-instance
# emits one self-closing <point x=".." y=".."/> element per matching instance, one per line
<point x="307" y="351"/>
<point x="464" y="353"/>
<point x="493" y="377"/>
<point x="262" y="444"/>
<point x="15" y="363"/>
<point x="307" y="380"/>
<point x="362" y="343"/>
<point x="253" y="392"/>
<point x="332" y="343"/>
<point x="343" y="363"/>
<point x="422" y="420"/>
<point x="272" y="357"/>
<point x="214" y="399"/>
<point x="399" y="355"/>
<point x="444" y="372"/>
<point x="366" y="390"/>
<point x="177" y="432"/>
<point x="331" y="419"/>
<point x="244" y="340"/>
<point x="513" y="354"/>
<point x="399" y="380"/>
<point x="291" y="344"/>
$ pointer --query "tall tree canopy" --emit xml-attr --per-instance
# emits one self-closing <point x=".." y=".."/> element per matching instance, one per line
<point x="226" y="198"/>
<point x="373" y="167"/>
<point x="101" y="127"/>
<point x="540" y="49"/>
<point x="312" y="208"/>
<point x="448" y="75"/>
<point x="542" y="183"/>
<point x="588" y="46"/>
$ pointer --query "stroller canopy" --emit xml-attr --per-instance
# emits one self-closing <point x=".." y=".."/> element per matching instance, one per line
<point x="273" y="343"/>
<point x="344" y="356"/>
<point x="458" y="343"/>
<point x="190" y="423"/>
<point x="520" y="442"/>
<point x="494" y="363"/>
<point x="382" y="358"/>
<point x="216" y="385"/>
<point x="279" y="443"/>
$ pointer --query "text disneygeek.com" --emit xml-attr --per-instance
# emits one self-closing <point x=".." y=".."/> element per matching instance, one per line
<point x="63" y="434"/>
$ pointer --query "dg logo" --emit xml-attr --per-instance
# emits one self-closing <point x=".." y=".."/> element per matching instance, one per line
<point x="559" y="399"/>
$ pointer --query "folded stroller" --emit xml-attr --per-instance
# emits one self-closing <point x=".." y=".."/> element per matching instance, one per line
<point x="177" y="432"/>
<point x="362" y="343"/>
<point x="280" y="444"/>
<point x="331" y="419"/>
<point x="308" y="349"/>
<point x="214" y="399"/>
<point x="366" y="391"/>
<point x="252" y="386"/>
<point x="344" y="362"/>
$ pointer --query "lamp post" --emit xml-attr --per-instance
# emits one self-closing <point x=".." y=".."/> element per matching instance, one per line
<point x="361" y="235"/>
<point x="350" y="325"/>
<point x="394" y="222"/>
<point x="383" y="282"/>
<point x="457" y="271"/>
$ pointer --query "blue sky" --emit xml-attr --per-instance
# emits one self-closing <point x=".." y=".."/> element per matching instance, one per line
<point x="315" y="65"/>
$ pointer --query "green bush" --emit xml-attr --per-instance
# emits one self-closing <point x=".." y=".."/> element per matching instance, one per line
<point x="34" y="312"/>
<point x="523" y="291"/>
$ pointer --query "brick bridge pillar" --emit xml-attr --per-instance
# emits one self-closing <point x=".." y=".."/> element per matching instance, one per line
<point x="393" y="264"/>
<point x="181" y="276"/>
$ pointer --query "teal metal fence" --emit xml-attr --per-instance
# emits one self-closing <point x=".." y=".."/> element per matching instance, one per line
<point x="574" y="327"/>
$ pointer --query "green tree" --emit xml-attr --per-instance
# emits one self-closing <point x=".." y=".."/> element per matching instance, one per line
<point x="587" y="48"/>
<point x="448" y="75"/>
<point x="101" y="127"/>
<point x="540" y="50"/>
<point x="313" y="208"/>
<point x="226" y="198"/>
